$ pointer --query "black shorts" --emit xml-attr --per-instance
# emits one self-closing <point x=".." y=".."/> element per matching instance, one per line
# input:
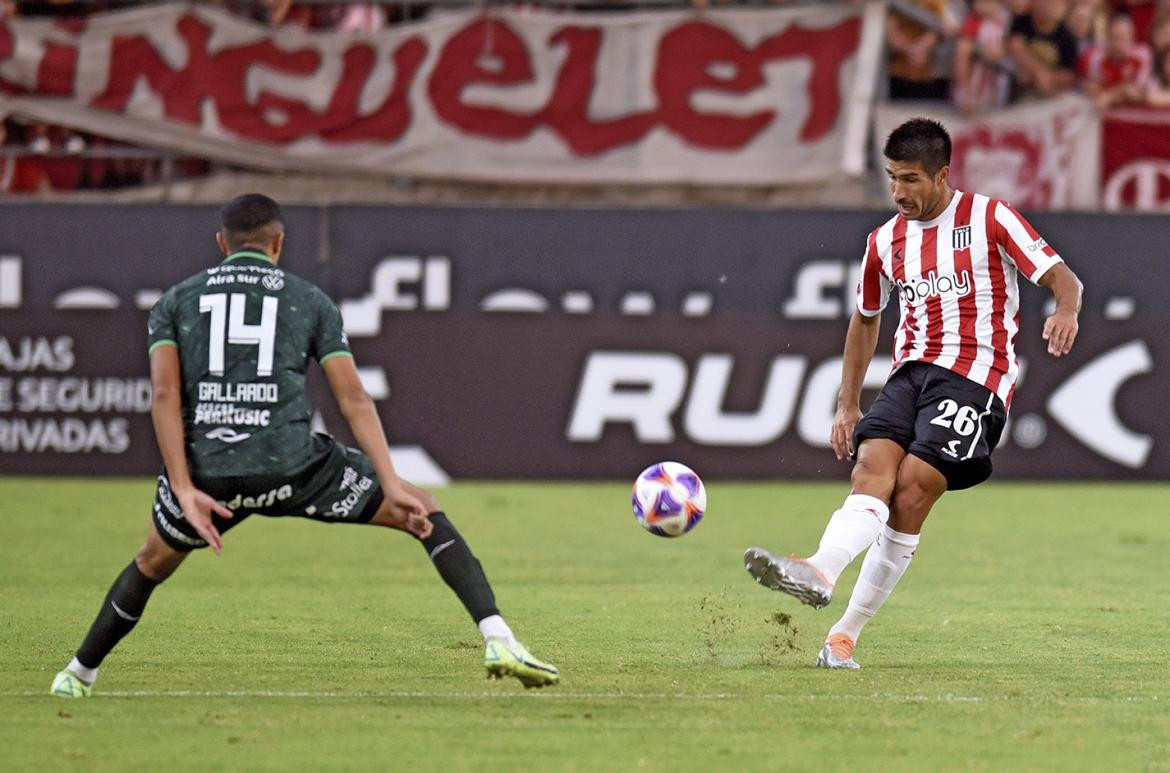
<point x="338" y="486"/>
<point x="950" y="422"/>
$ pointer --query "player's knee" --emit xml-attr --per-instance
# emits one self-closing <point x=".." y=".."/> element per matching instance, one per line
<point x="914" y="496"/>
<point x="867" y="478"/>
<point x="429" y="502"/>
<point x="157" y="564"/>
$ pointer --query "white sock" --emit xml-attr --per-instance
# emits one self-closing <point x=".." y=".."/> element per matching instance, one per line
<point x="851" y="530"/>
<point x="884" y="565"/>
<point x="494" y="627"/>
<point x="85" y="674"/>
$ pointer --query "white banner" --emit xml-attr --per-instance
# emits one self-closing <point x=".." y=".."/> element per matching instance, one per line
<point x="745" y="96"/>
<point x="1037" y="155"/>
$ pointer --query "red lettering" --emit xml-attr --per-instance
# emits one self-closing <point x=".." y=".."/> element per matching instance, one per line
<point x="7" y="48"/>
<point x="486" y="51"/>
<point x="392" y="118"/>
<point x="687" y="58"/>
<point x="567" y="111"/>
<point x="220" y="77"/>
<point x="828" y="49"/>
<point x="57" y="70"/>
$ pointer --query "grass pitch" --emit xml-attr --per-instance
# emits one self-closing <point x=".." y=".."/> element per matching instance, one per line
<point x="1029" y="634"/>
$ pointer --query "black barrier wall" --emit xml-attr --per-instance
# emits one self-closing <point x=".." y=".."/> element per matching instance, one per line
<point x="562" y="343"/>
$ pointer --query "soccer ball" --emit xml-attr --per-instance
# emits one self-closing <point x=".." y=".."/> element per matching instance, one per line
<point x="669" y="499"/>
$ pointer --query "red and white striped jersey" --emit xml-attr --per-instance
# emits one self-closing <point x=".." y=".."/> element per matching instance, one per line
<point x="955" y="276"/>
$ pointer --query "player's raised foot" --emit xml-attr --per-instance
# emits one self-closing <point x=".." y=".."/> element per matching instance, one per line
<point x="68" y="685"/>
<point x="502" y="659"/>
<point x="837" y="653"/>
<point x="794" y="576"/>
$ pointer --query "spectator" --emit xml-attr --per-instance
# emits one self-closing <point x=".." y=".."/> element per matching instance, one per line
<point x="1043" y="51"/>
<point x="1158" y="95"/>
<point x="18" y="173"/>
<point x="914" y="36"/>
<point x="1141" y="11"/>
<point x="1160" y="35"/>
<point x="1082" y="22"/>
<point x="981" y="82"/>
<point x="1119" y="71"/>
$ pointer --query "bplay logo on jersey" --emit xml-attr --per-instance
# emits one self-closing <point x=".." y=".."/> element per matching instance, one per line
<point x="933" y="286"/>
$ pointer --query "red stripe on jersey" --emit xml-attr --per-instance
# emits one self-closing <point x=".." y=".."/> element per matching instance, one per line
<point x="968" y="349"/>
<point x="871" y="283"/>
<point x="995" y="269"/>
<point x="934" y="311"/>
<point x="898" y="268"/>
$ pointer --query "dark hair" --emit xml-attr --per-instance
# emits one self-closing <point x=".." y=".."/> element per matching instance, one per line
<point x="250" y="218"/>
<point x="921" y="140"/>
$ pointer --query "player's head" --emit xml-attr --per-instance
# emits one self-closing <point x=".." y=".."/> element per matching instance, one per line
<point x="918" y="157"/>
<point x="251" y="221"/>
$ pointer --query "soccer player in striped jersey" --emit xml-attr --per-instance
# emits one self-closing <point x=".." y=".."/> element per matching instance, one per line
<point x="952" y="258"/>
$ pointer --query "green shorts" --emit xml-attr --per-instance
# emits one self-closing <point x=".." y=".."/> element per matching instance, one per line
<point x="337" y="486"/>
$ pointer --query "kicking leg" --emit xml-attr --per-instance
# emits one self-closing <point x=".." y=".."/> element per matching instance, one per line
<point x="120" y="611"/>
<point x="850" y="530"/>
<point x="463" y="573"/>
<point x="918" y="487"/>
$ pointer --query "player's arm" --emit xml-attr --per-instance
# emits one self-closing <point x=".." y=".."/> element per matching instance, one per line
<point x="166" y="411"/>
<point x="1060" y="329"/>
<point x="358" y="409"/>
<point x="860" y="344"/>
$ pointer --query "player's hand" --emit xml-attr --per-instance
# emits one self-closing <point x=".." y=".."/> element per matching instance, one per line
<point x="198" y="507"/>
<point x="841" y="437"/>
<point x="407" y="512"/>
<point x="1060" y="331"/>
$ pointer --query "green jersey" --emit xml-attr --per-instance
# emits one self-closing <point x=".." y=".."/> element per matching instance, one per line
<point x="246" y="331"/>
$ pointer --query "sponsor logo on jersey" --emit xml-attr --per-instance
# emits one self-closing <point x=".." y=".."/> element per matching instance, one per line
<point x="227" y="435"/>
<point x="357" y="485"/>
<point x="273" y="282"/>
<point x="228" y="413"/>
<point x="1038" y="245"/>
<point x="933" y="286"/>
<point x="267" y="499"/>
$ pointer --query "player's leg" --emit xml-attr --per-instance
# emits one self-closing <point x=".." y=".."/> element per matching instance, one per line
<point x="463" y="573"/>
<point x="919" y="486"/>
<point x="850" y="530"/>
<point x="880" y="440"/>
<point x="119" y="613"/>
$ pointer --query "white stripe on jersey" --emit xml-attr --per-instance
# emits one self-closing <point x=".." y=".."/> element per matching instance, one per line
<point x="988" y="344"/>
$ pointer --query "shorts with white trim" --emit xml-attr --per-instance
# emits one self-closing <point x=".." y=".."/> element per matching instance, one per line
<point x="338" y="486"/>
<point x="948" y="421"/>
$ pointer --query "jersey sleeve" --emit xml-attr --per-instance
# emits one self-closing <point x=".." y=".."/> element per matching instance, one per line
<point x="1020" y="243"/>
<point x="873" y="291"/>
<point x="329" y="339"/>
<point x="161" y="328"/>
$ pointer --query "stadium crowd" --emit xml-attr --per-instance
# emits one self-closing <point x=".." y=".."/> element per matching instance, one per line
<point x="978" y="54"/>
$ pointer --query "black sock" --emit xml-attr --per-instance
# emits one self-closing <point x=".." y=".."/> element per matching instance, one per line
<point x="459" y="568"/>
<point x="118" y="616"/>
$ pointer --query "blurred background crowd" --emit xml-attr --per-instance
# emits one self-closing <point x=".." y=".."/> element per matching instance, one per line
<point x="978" y="55"/>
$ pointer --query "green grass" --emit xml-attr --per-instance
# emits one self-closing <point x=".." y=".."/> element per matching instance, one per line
<point x="1030" y="634"/>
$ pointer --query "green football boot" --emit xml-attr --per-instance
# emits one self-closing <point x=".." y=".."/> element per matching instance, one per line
<point x="68" y="685"/>
<point x="502" y="659"/>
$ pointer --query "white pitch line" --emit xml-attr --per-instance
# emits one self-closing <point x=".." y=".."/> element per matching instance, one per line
<point x="560" y="694"/>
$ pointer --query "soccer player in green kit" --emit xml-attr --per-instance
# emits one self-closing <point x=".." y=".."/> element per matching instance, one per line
<point x="229" y="349"/>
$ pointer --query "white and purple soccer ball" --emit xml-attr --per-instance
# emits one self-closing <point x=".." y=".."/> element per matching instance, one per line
<point x="669" y="499"/>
